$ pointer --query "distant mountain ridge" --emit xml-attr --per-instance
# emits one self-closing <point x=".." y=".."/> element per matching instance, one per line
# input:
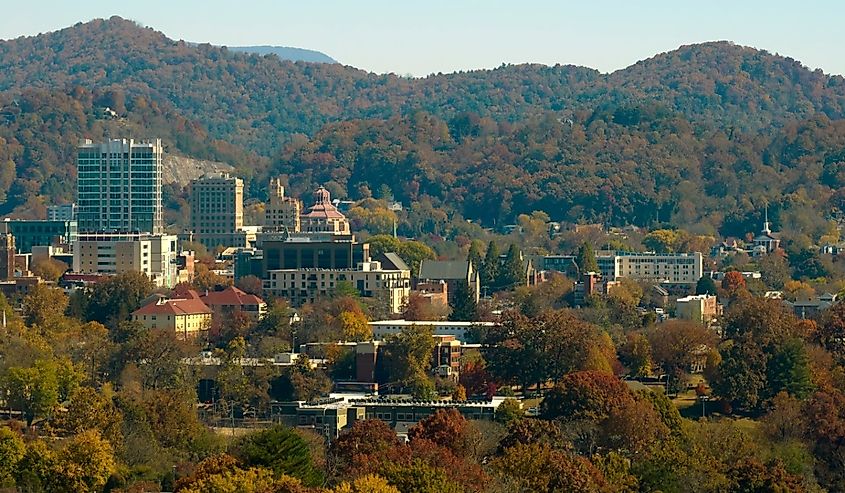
<point x="286" y="53"/>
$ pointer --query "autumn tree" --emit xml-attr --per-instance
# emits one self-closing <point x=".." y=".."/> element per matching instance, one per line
<point x="354" y="326"/>
<point x="251" y="284"/>
<point x="540" y="468"/>
<point x="49" y="269"/>
<point x="114" y="299"/>
<point x="589" y="395"/>
<point x="364" y="440"/>
<point x="12" y="450"/>
<point x="44" y="306"/>
<point x="407" y="358"/>
<point x="446" y="428"/>
<point x="733" y="282"/>
<point x="676" y="344"/>
<point x="34" y="390"/>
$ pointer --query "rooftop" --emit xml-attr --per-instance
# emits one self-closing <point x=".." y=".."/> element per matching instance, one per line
<point x="431" y="323"/>
<point x="179" y="306"/>
<point x="444" y="269"/>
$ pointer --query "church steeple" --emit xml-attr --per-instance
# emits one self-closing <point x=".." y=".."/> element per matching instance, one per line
<point x="766" y="227"/>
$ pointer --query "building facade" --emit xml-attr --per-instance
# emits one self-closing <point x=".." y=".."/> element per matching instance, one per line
<point x="33" y="233"/>
<point x="461" y="331"/>
<point x="370" y="279"/>
<point x="669" y="268"/>
<point x="62" y="212"/>
<point x="119" y="186"/>
<point x="453" y="273"/>
<point x="282" y="213"/>
<point x="233" y="300"/>
<point x="187" y="318"/>
<point x="114" y="253"/>
<point x="217" y="210"/>
<point x="699" y="308"/>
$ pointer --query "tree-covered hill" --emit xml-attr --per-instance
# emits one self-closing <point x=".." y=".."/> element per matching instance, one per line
<point x="700" y="135"/>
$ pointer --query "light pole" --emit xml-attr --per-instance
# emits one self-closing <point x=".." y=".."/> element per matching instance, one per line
<point x="703" y="398"/>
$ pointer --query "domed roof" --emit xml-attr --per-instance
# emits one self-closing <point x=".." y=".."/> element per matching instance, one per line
<point x="323" y="207"/>
<point x="322" y="196"/>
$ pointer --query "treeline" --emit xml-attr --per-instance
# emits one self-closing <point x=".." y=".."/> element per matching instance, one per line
<point x="591" y="169"/>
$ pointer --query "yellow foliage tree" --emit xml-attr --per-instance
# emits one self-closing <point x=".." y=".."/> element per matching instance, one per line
<point x="354" y="326"/>
<point x="366" y="484"/>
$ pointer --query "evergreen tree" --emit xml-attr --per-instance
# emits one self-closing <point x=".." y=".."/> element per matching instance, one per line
<point x="464" y="306"/>
<point x="474" y="255"/>
<point x="587" y="259"/>
<point x="705" y="285"/>
<point x="490" y="268"/>
<point x="789" y="370"/>
<point x="512" y="271"/>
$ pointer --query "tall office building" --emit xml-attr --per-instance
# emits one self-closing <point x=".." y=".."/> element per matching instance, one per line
<point x="282" y="213"/>
<point x="217" y="210"/>
<point x="119" y="186"/>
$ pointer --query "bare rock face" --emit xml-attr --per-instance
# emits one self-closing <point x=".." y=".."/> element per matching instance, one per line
<point x="182" y="170"/>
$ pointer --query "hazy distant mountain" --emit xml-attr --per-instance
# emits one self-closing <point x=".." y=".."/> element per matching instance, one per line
<point x="286" y="53"/>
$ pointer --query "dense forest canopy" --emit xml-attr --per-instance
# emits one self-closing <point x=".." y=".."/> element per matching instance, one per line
<point x="698" y="137"/>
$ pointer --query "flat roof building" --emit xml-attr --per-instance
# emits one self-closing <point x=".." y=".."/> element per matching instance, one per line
<point x="114" y="253"/>
<point x="217" y="210"/>
<point x="119" y="186"/>
<point x="669" y="268"/>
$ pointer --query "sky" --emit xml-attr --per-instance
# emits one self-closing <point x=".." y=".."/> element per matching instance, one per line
<point x="431" y="36"/>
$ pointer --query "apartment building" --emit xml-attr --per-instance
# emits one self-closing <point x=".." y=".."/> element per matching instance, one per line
<point x="217" y="210"/>
<point x="668" y="268"/>
<point x="305" y="285"/>
<point x="119" y="186"/>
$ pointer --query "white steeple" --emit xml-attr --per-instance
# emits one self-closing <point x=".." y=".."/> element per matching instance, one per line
<point x="766" y="229"/>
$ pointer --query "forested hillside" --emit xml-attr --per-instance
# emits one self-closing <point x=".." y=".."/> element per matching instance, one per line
<point x="700" y="136"/>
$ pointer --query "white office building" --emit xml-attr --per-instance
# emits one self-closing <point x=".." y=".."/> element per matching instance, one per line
<point x="119" y="186"/>
<point x="114" y="253"/>
<point x="669" y="268"/>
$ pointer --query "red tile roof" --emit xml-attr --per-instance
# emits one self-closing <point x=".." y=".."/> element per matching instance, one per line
<point x="174" y="307"/>
<point x="230" y="296"/>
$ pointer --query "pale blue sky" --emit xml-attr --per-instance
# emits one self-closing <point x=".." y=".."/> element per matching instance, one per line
<point x="444" y="36"/>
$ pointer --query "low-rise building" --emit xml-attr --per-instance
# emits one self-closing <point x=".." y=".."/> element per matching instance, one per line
<point x="669" y="268"/>
<point x="462" y="331"/>
<point x="702" y="308"/>
<point x="114" y="253"/>
<point x="811" y="308"/>
<point x="30" y="233"/>
<point x="453" y="273"/>
<point x="233" y="300"/>
<point x="185" y="317"/>
<point x="330" y="416"/>
<point x="305" y="285"/>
